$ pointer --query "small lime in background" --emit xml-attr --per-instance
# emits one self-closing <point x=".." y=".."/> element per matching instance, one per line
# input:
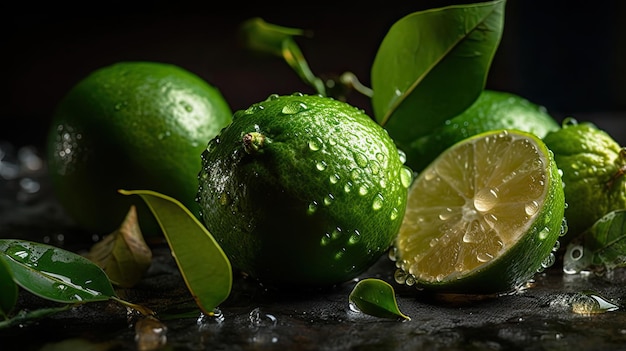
<point x="594" y="173"/>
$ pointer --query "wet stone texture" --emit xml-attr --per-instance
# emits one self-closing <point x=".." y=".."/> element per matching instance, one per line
<point x="544" y="317"/>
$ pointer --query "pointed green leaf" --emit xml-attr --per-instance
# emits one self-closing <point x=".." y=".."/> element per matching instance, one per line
<point x="432" y="65"/>
<point x="202" y="263"/>
<point x="8" y="289"/>
<point x="376" y="298"/>
<point x="55" y="274"/>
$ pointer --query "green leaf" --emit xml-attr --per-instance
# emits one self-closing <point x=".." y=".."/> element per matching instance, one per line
<point x="601" y="247"/>
<point x="260" y="36"/>
<point x="55" y="274"/>
<point x="432" y="65"/>
<point x="376" y="298"/>
<point x="8" y="297"/>
<point x="202" y="263"/>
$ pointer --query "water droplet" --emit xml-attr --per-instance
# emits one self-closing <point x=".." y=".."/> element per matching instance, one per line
<point x="575" y="259"/>
<point x="29" y="185"/>
<point x="433" y="242"/>
<point x="334" y="179"/>
<point x="293" y="107"/>
<point x="400" y="276"/>
<point x="321" y="165"/>
<point x="484" y="257"/>
<point x="402" y="156"/>
<point x="564" y="227"/>
<point x="354" y="238"/>
<point x="347" y="187"/>
<point x="429" y="175"/>
<point x="363" y="190"/>
<point x="328" y="199"/>
<point x="406" y="176"/>
<point x="444" y="216"/>
<point x="589" y="302"/>
<point x="315" y="144"/>
<point x="543" y="234"/>
<point x="378" y="202"/>
<point x="272" y="97"/>
<point x="312" y="208"/>
<point x="394" y="214"/>
<point x="325" y="239"/>
<point x="531" y="208"/>
<point x="485" y="199"/>
<point x="336" y="234"/>
<point x="548" y="261"/>
<point x="340" y="254"/>
<point x="374" y="166"/>
<point x="360" y="159"/>
<point x="569" y="121"/>
<point x="355" y="174"/>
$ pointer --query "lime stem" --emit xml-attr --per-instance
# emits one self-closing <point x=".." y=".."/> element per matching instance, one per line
<point x="253" y="142"/>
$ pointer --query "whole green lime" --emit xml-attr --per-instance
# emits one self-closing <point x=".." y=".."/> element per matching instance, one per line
<point x="594" y="168"/>
<point x="491" y="111"/>
<point x="131" y="125"/>
<point x="303" y="190"/>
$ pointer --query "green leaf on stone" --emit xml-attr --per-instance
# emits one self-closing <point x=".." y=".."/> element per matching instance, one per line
<point x="55" y="274"/>
<point x="432" y="65"/>
<point x="376" y="298"/>
<point x="8" y="289"/>
<point x="204" y="266"/>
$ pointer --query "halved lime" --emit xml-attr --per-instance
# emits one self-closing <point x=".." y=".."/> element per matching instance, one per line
<point x="483" y="217"/>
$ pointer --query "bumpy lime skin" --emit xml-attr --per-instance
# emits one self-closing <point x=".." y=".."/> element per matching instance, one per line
<point x="593" y="166"/>
<point x="303" y="190"/>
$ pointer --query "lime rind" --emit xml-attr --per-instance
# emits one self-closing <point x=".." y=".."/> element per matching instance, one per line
<point x="511" y="255"/>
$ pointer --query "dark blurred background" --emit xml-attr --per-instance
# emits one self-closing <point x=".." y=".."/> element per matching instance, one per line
<point x="567" y="55"/>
